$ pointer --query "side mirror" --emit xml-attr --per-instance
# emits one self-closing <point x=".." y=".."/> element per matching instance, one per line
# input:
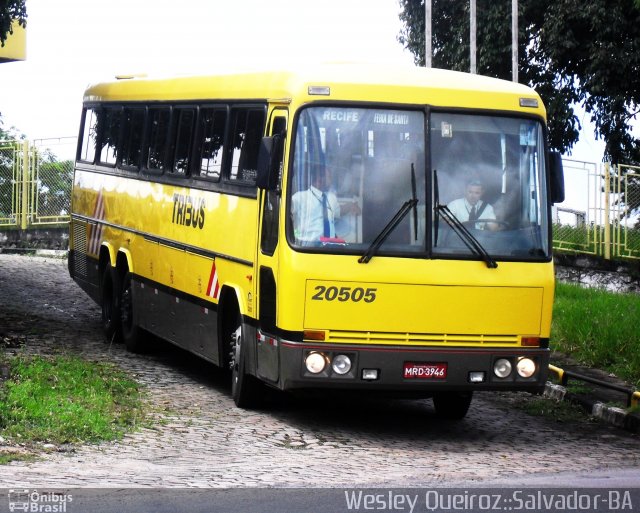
<point x="269" y="157"/>
<point x="556" y="178"/>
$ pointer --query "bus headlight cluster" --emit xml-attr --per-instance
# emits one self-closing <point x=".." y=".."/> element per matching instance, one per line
<point x="525" y="367"/>
<point x="317" y="362"/>
<point x="341" y="364"/>
<point x="502" y="368"/>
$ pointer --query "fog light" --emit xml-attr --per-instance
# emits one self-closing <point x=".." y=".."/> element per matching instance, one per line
<point x="502" y="368"/>
<point x="316" y="362"/>
<point x="526" y="367"/>
<point x="341" y="364"/>
<point x="476" y="377"/>
<point x="370" y="374"/>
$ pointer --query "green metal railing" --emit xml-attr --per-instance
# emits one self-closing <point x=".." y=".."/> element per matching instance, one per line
<point x="601" y="214"/>
<point x="35" y="182"/>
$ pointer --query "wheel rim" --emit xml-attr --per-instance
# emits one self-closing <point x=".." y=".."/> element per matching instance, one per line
<point x="236" y="348"/>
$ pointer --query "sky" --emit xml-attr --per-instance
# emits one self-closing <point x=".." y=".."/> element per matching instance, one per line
<point x="72" y="43"/>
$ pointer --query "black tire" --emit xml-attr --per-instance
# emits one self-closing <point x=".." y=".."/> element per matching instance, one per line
<point x="452" y="405"/>
<point x="110" y="303"/>
<point x="132" y="334"/>
<point x="245" y="389"/>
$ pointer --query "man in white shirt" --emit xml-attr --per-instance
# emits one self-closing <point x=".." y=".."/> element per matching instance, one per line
<point x="315" y="209"/>
<point x="471" y="207"/>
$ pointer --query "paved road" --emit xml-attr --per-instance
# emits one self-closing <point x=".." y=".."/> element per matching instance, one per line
<point x="201" y="439"/>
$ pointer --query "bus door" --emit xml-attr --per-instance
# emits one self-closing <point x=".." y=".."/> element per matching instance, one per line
<point x="267" y="350"/>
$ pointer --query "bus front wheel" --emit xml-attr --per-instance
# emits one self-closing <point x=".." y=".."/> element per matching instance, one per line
<point x="452" y="405"/>
<point x="244" y="387"/>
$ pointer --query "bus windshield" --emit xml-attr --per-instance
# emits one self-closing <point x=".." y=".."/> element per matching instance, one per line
<point x="359" y="181"/>
<point x="353" y="169"/>
<point x="489" y="177"/>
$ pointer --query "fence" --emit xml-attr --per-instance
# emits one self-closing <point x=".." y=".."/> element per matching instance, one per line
<point x="600" y="215"/>
<point x="35" y="182"/>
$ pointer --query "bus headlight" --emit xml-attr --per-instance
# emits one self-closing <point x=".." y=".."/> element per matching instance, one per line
<point x="502" y="368"/>
<point x="526" y="367"/>
<point x="316" y="362"/>
<point x="341" y="364"/>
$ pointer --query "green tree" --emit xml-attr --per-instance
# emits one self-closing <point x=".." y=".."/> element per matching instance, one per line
<point x="11" y="10"/>
<point x="572" y="52"/>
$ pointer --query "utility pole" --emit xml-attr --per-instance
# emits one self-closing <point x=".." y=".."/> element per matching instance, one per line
<point x="427" y="33"/>
<point x="514" y="40"/>
<point x="472" y="35"/>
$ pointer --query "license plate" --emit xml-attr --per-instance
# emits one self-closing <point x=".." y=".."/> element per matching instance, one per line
<point x="413" y="370"/>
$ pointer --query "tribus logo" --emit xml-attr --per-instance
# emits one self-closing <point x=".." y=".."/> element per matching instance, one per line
<point x="38" y="502"/>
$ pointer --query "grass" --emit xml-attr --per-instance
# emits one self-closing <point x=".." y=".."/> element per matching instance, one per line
<point x="560" y="411"/>
<point x="598" y="328"/>
<point x="65" y="399"/>
<point x="8" y="457"/>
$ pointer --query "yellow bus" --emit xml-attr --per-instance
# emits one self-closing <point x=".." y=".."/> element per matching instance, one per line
<point x="337" y="228"/>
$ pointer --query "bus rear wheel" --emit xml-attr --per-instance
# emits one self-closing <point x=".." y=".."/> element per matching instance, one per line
<point x="132" y="334"/>
<point x="110" y="303"/>
<point x="452" y="405"/>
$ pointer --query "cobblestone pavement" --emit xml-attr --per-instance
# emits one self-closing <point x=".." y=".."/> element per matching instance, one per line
<point x="203" y="440"/>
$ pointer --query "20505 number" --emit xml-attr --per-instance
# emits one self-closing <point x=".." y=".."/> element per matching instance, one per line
<point x="355" y="294"/>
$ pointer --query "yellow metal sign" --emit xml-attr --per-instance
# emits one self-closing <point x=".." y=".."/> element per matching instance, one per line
<point x="15" y="47"/>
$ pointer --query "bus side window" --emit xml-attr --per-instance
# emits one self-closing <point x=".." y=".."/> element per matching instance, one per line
<point x="89" y="136"/>
<point x="157" y="139"/>
<point x="185" y="119"/>
<point x="109" y="124"/>
<point x="210" y="143"/>
<point x="248" y="128"/>
<point x="132" y="130"/>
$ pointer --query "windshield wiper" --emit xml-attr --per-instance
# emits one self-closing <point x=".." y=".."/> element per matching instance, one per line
<point x="414" y="197"/>
<point x="386" y="231"/>
<point x="466" y="236"/>
<point x="436" y="193"/>
<point x="395" y="221"/>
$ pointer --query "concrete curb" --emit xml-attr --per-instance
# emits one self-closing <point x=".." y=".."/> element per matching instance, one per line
<point x="615" y="416"/>
<point x="57" y="253"/>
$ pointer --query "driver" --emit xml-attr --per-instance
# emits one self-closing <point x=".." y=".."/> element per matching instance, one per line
<point x="471" y="207"/>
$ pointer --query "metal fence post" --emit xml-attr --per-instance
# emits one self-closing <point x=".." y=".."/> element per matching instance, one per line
<point x="25" y="184"/>
<point x="607" y="217"/>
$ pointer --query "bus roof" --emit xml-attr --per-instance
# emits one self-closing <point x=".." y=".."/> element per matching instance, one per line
<point x="334" y="82"/>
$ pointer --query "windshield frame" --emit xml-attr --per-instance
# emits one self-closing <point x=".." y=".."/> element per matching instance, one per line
<point x="426" y="251"/>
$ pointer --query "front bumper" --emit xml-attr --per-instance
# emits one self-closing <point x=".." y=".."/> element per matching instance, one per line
<point x="389" y="361"/>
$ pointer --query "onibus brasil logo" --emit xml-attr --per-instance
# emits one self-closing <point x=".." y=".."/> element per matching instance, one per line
<point x="38" y="502"/>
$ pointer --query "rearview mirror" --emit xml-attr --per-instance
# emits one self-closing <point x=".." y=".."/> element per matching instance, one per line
<point x="269" y="157"/>
<point x="556" y="178"/>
